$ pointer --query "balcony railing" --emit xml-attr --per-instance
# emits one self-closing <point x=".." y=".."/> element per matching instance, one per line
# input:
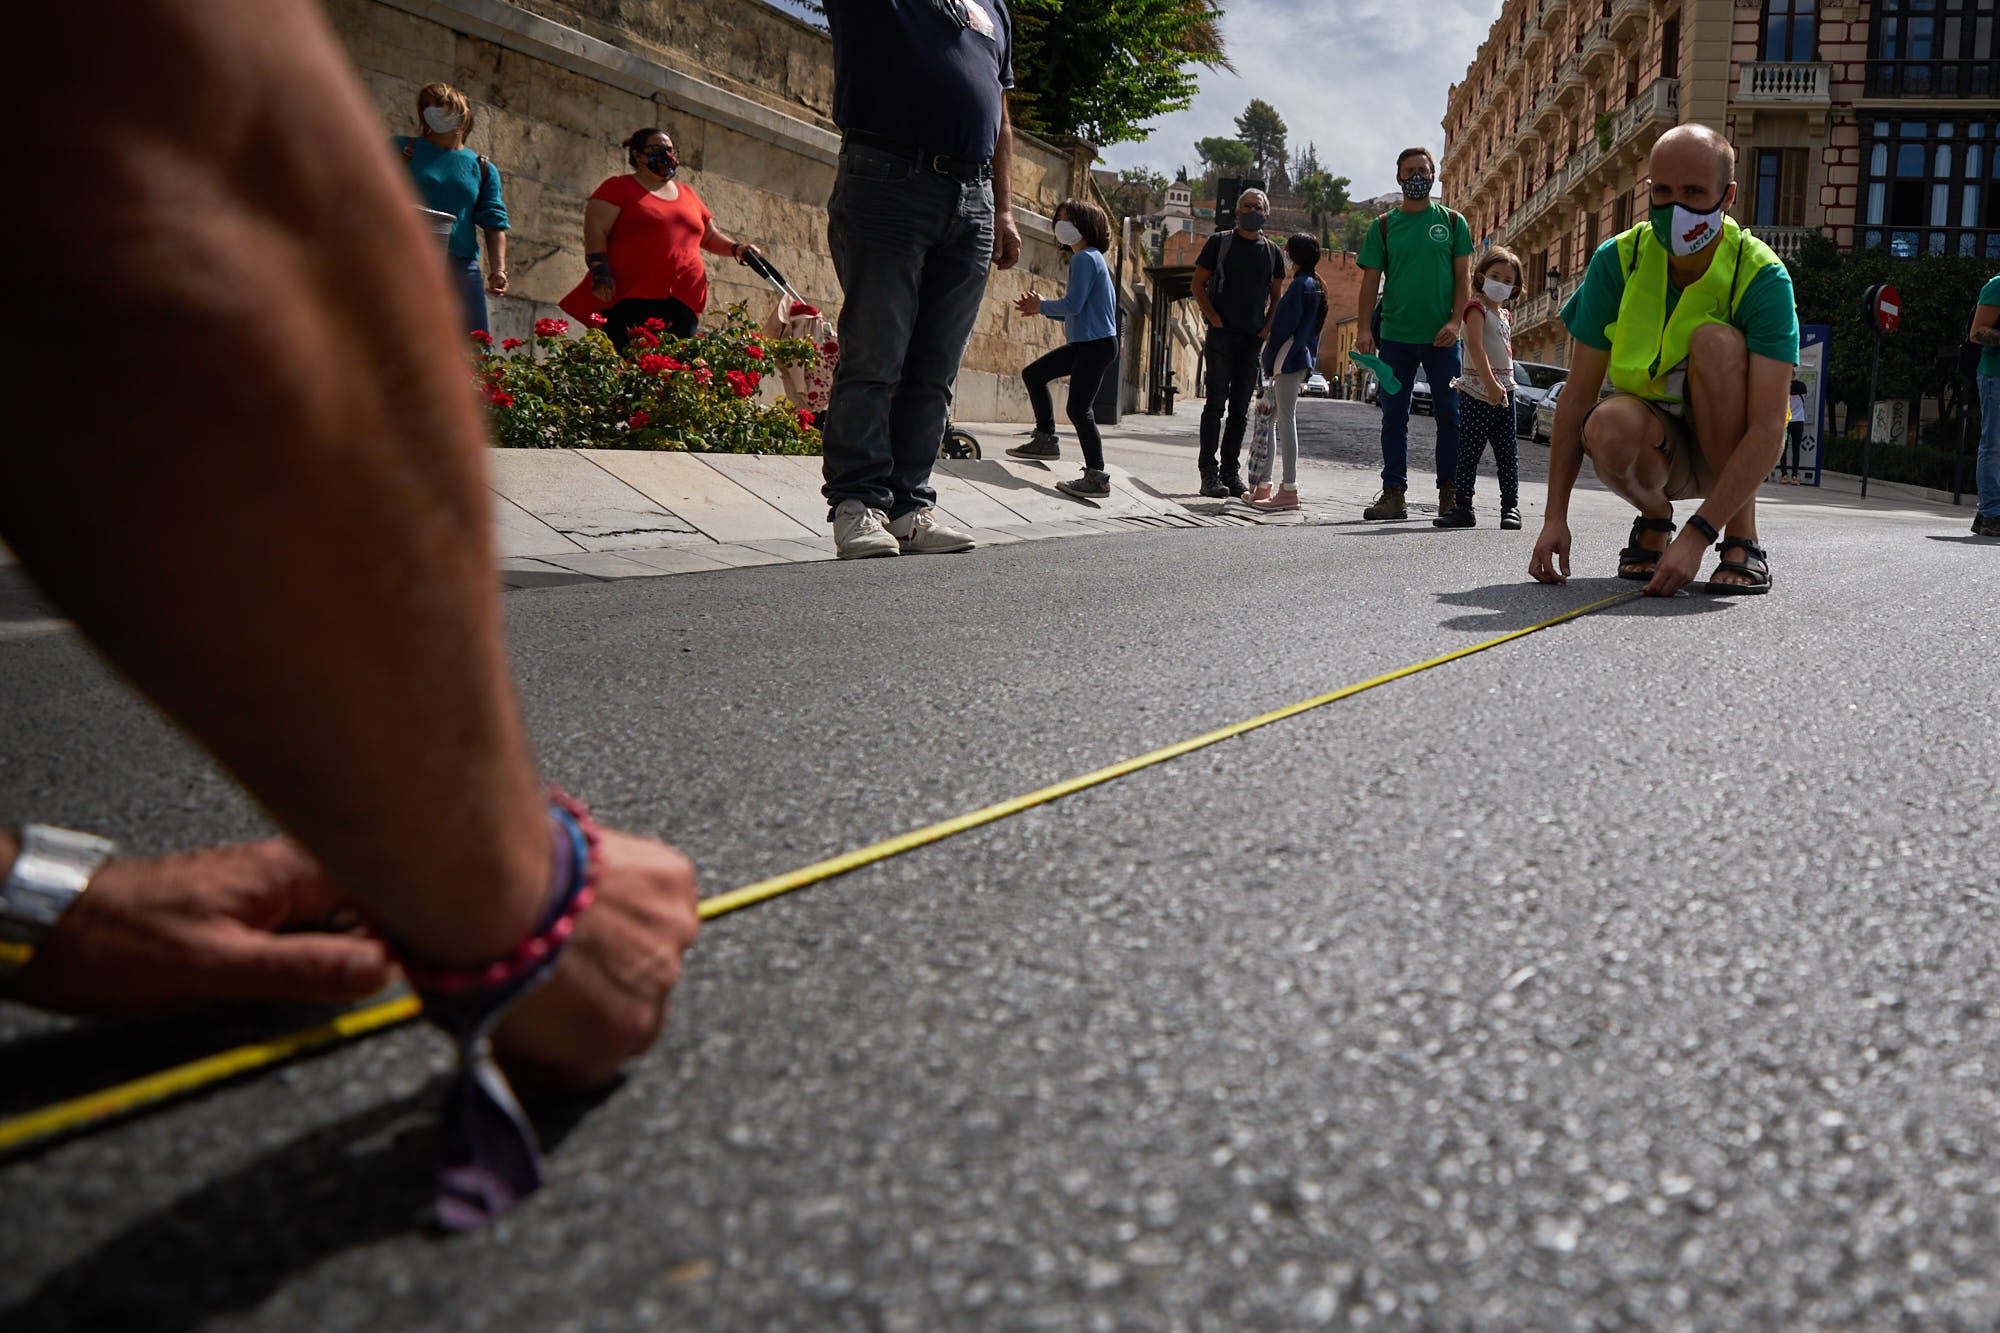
<point x="1534" y="310"/>
<point x="1780" y="81"/>
<point x="1569" y="82"/>
<point x="1536" y="204"/>
<point x="1785" y="240"/>
<point x="1552" y="13"/>
<point x="1533" y="41"/>
<point x="1659" y="106"/>
<point x="1630" y="18"/>
<point x="1598" y="48"/>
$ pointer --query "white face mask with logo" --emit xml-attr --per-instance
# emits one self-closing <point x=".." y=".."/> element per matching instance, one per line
<point x="442" y="119"/>
<point x="1683" y="231"/>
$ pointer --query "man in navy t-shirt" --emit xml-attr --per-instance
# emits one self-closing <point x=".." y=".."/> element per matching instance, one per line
<point x="921" y="209"/>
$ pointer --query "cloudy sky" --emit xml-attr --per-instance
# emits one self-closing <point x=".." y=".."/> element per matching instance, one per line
<point x="1360" y="78"/>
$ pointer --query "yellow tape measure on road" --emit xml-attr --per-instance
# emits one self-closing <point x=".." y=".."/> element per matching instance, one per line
<point x="68" y="1117"/>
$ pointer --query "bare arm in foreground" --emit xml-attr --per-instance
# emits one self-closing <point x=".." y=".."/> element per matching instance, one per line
<point x="282" y="537"/>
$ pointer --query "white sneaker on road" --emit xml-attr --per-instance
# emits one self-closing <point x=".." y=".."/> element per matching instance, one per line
<point x="920" y="533"/>
<point x="860" y="532"/>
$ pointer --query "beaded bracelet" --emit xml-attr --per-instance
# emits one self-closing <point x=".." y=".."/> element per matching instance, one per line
<point x="489" y="1159"/>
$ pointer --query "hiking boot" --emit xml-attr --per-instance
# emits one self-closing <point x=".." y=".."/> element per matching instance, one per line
<point x="1090" y="486"/>
<point x="1448" y="499"/>
<point x="1510" y="517"/>
<point x="1282" y="500"/>
<point x="1388" y="506"/>
<point x="1260" y="493"/>
<point x="1234" y="484"/>
<point x="1461" y="517"/>
<point x="1983" y="526"/>
<point x="919" y="533"/>
<point x="858" y="532"/>
<point x="1212" y="487"/>
<point x="1042" y="447"/>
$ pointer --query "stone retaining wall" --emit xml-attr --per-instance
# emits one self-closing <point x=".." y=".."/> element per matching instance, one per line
<point x="556" y="84"/>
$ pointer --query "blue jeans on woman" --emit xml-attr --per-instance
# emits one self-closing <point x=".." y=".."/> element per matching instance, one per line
<point x="1441" y="367"/>
<point x="1988" y="470"/>
<point x="471" y="287"/>
<point x="911" y="248"/>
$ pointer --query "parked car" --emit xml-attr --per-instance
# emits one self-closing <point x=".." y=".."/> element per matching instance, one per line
<point x="1532" y="382"/>
<point x="1316" y="386"/>
<point x="1420" y="393"/>
<point x="1543" y="428"/>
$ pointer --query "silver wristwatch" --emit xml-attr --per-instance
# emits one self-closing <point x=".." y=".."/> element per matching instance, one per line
<point x="53" y="868"/>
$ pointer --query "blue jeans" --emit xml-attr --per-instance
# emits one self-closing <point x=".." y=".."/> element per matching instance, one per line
<point x="1988" y="471"/>
<point x="471" y="288"/>
<point x="1441" y="367"/>
<point x="911" y="249"/>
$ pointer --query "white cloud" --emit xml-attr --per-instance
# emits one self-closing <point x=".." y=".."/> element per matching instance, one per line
<point x="1360" y="78"/>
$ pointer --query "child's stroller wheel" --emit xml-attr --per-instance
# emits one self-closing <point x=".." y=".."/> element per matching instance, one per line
<point x="958" y="444"/>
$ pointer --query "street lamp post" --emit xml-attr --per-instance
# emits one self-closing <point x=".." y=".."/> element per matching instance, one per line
<point x="1555" y="295"/>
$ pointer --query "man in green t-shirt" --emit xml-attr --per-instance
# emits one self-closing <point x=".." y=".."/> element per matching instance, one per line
<point x="1419" y="256"/>
<point x="1694" y="320"/>
<point x="1986" y="332"/>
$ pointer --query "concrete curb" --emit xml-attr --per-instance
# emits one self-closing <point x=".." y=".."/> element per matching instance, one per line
<point x="572" y="515"/>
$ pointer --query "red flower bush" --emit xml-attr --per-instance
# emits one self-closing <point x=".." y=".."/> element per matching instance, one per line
<point x="481" y="336"/>
<point x="598" y="321"/>
<point x="655" y="326"/>
<point x="662" y="392"/>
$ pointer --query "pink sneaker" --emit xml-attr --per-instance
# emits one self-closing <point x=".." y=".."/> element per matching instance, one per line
<point x="1261" y="493"/>
<point x="1280" y="500"/>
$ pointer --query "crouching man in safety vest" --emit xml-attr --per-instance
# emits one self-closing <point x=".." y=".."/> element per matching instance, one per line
<point x="1694" y="320"/>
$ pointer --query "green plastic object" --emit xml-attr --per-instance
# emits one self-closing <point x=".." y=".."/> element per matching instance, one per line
<point x="1390" y="384"/>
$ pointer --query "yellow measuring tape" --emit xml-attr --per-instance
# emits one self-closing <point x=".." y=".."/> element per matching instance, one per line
<point x="69" y="1116"/>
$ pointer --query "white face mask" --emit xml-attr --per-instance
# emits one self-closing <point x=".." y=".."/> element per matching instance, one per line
<point x="442" y="119"/>
<point x="1496" y="290"/>
<point x="1067" y="233"/>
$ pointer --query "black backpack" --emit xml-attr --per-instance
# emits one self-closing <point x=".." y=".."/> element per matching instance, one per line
<point x="1265" y="244"/>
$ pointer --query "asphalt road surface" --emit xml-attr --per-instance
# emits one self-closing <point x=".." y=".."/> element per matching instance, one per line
<point x="1641" y="972"/>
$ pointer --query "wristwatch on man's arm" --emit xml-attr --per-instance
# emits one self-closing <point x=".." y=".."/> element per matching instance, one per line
<point x="53" y="869"/>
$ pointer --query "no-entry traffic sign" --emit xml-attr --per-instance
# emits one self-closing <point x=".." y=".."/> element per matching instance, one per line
<point x="1885" y="307"/>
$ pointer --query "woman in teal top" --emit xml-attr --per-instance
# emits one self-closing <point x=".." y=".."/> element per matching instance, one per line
<point x="452" y="179"/>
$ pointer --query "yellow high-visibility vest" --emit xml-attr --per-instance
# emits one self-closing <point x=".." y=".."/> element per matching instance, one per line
<point x="1648" y="344"/>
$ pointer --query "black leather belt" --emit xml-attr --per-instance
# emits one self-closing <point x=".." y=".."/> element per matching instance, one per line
<point x="943" y="164"/>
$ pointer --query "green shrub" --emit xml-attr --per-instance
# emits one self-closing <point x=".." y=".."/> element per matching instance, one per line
<point x="1911" y="465"/>
<point x="663" y="392"/>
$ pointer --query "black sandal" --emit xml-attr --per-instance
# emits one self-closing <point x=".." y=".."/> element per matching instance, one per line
<point x="1758" y="574"/>
<point x="1635" y="554"/>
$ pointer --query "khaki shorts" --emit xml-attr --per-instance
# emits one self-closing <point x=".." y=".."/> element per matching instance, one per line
<point x="1689" y="476"/>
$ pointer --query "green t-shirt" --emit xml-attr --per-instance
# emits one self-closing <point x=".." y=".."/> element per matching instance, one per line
<point x="1416" y="270"/>
<point x="1989" y="357"/>
<point x="1768" y="315"/>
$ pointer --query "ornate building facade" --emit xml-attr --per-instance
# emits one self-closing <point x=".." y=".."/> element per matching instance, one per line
<point x="1873" y="122"/>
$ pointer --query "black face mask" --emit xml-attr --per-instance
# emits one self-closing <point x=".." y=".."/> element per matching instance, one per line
<point x="662" y="162"/>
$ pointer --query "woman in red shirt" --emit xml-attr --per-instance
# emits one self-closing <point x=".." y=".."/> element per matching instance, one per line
<point x="643" y="235"/>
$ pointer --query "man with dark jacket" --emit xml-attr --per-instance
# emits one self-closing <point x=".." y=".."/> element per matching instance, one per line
<point x="1238" y="280"/>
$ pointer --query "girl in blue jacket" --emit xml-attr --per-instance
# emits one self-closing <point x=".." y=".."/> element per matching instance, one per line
<point x="1290" y="354"/>
<point x="1089" y="312"/>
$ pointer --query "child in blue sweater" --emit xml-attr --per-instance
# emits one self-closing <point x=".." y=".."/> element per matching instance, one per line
<point x="1089" y="312"/>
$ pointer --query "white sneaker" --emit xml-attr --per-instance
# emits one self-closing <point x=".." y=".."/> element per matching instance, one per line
<point x="920" y="533"/>
<point x="858" y="532"/>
